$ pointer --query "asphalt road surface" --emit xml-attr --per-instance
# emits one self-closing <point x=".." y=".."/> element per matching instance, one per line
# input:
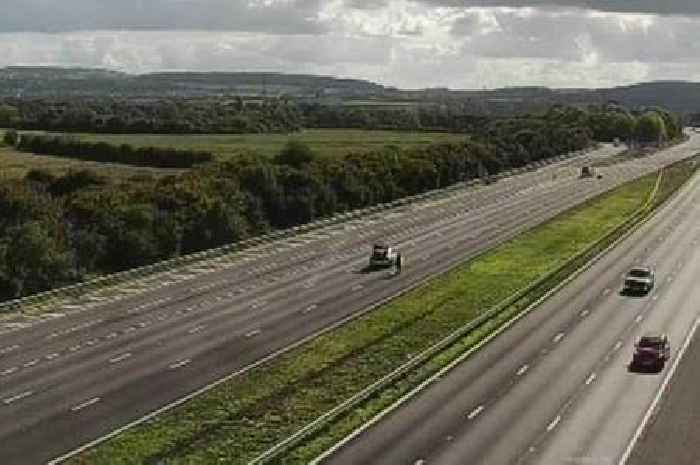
<point x="672" y="435"/>
<point x="556" y="388"/>
<point x="90" y="368"/>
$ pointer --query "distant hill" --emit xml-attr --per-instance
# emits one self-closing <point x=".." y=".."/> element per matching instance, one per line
<point x="57" y="82"/>
<point x="679" y="96"/>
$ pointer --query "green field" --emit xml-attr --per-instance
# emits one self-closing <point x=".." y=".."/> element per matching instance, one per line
<point x="326" y="142"/>
<point x="243" y="417"/>
<point x="15" y="165"/>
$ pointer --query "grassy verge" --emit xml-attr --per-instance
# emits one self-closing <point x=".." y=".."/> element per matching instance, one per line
<point x="674" y="177"/>
<point x="237" y="420"/>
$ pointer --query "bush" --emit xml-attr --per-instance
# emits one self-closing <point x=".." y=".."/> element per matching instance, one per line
<point x="11" y="137"/>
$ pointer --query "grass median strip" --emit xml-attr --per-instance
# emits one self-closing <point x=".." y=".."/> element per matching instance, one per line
<point x="239" y="419"/>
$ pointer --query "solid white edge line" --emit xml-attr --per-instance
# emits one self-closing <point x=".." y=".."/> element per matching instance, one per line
<point x="325" y="330"/>
<point x="235" y="374"/>
<point x="657" y="398"/>
<point x="379" y="416"/>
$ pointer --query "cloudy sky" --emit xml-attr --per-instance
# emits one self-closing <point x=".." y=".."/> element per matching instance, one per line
<point x="406" y="43"/>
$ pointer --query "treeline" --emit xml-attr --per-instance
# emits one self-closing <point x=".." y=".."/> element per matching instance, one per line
<point x="280" y="115"/>
<point x="72" y="147"/>
<point x="152" y="115"/>
<point x="58" y="230"/>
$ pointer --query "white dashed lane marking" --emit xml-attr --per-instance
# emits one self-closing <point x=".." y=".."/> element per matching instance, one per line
<point x="310" y="308"/>
<point x="554" y="423"/>
<point x="253" y="333"/>
<point x="8" y="371"/>
<point x="590" y="379"/>
<point x="475" y="413"/>
<point x="85" y="404"/>
<point x="9" y="349"/>
<point x="120" y="358"/>
<point x="21" y="396"/>
<point x="31" y="363"/>
<point x="180" y="364"/>
<point x="196" y="329"/>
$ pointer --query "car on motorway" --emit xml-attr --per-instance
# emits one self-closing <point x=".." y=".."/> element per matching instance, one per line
<point x="586" y="172"/>
<point x="651" y="351"/>
<point x="382" y="256"/>
<point x="639" y="280"/>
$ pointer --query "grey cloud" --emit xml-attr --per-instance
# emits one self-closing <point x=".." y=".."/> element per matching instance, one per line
<point x="662" y="7"/>
<point x="576" y="36"/>
<point x="285" y="17"/>
<point x="366" y="4"/>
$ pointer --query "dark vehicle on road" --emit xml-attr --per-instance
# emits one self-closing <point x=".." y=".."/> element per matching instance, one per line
<point x="651" y="352"/>
<point x="586" y="172"/>
<point x="382" y="256"/>
<point x="639" y="280"/>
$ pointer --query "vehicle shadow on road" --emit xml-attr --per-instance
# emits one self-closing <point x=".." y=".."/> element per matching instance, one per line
<point x="638" y="370"/>
<point x="364" y="270"/>
<point x="635" y="295"/>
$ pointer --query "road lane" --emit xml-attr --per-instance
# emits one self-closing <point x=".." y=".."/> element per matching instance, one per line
<point x="483" y="412"/>
<point x="671" y="434"/>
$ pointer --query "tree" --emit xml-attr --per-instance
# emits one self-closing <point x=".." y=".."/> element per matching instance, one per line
<point x="295" y="154"/>
<point x="11" y="137"/>
<point x="9" y="116"/>
<point x="76" y="180"/>
<point x="33" y="259"/>
<point x="651" y="128"/>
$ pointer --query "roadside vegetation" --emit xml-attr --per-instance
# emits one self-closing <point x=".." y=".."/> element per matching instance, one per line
<point x="239" y="419"/>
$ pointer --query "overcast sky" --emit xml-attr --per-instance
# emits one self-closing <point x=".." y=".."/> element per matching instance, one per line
<point x="406" y="43"/>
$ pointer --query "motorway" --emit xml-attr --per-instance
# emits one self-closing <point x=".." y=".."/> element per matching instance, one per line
<point x="671" y="436"/>
<point x="88" y="369"/>
<point x="555" y="387"/>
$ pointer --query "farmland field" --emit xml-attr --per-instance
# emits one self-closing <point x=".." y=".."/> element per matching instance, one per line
<point x="326" y="142"/>
<point x="15" y="165"/>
